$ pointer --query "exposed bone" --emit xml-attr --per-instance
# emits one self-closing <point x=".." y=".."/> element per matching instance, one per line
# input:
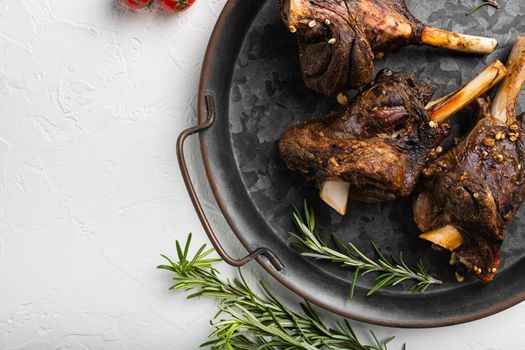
<point x="440" y="110"/>
<point x="335" y="194"/>
<point x="503" y="108"/>
<point x="440" y="100"/>
<point x="444" y="108"/>
<point x="504" y="104"/>
<point x="447" y="237"/>
<point x="391" y="25"/>
<point x="296" y="12"/>
<point x="458" y="42"/>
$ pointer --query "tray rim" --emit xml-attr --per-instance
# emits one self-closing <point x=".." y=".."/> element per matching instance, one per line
<point x="205" y="77"/>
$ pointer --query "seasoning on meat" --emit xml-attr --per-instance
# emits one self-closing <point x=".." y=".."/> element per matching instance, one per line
<point x="339" y="40"/>
<point x="480" y="207"/>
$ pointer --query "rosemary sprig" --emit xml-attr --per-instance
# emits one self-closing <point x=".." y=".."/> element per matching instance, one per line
<point x="492" y="3"/>
<point x="253" y="321"/>
<point x="392" y="272"/>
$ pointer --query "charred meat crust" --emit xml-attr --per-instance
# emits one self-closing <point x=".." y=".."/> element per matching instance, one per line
<point x="379" y="143"/>
<point x="337" y="49"/>
<point x="477" y="187"/>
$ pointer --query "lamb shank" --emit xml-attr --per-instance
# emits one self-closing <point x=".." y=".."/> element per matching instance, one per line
<point x="375" y="149"/>
<point x="339" y="40"/>
<point x="469" y="196"/>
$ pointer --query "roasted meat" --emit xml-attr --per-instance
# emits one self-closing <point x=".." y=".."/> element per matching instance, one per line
<point x="339" y="40"/>
<point x="469" y="196"/>
<point x="379" y="143"/>
<point x="375" y="149"/>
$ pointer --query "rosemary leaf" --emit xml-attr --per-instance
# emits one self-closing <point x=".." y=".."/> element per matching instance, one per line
<point x="257" y="321"/>
<point x="392" y="272"/>
<point x="492" y="3"/>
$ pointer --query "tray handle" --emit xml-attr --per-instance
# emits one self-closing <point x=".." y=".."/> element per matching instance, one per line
<point x="210" y="119"/>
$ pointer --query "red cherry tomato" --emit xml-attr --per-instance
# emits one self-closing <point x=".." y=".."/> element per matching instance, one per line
<point x="137" y="4"/>
<point x="176" y="5"/>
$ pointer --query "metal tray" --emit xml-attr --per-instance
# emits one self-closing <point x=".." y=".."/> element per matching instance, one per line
<point x="251" y="91"/>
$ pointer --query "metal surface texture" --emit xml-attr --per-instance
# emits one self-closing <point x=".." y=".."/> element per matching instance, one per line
<point x="251" y="67"/>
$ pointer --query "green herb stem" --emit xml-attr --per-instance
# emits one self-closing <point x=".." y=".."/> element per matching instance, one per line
<point x="251" y="321"/>
<point x="393" y="271"/>
<point x="492" y="3"/>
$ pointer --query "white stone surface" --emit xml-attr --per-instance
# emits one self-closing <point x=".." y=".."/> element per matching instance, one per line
<point x="91" y="102"/>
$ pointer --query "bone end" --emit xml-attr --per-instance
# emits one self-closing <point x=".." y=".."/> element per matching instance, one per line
<point x="335" y="194"/>
<point x="504" y="104"/>
<point x="447" y="237"/>
<point x="458" y="42"/>
<point x="443" y="109"/>
<point x="296" y="12"/>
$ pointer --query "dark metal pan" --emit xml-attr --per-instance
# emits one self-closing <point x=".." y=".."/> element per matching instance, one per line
<point x="251" y="91"/>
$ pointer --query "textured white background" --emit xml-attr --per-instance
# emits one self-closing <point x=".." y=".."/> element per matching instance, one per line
<point x="91" y="101"/>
